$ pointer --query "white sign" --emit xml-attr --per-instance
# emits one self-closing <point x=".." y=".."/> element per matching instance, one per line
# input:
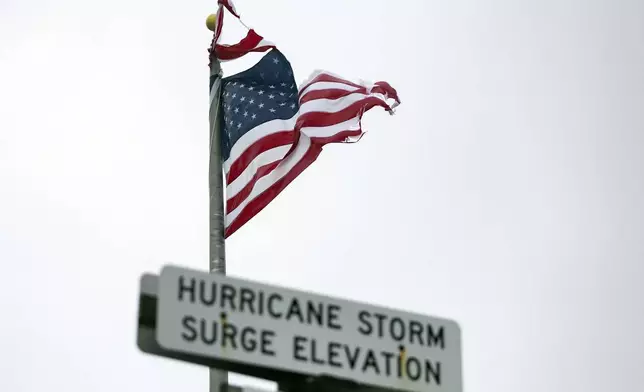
<point x="226" y="318"/>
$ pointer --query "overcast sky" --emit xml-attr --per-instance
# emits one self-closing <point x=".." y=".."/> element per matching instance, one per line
<point x="507" y="193"/>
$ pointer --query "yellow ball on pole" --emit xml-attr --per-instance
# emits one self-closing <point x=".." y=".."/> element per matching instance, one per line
<point x="211" y="22"/>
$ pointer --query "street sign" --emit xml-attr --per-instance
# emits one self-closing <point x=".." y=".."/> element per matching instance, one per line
<point x="236" y="320"/>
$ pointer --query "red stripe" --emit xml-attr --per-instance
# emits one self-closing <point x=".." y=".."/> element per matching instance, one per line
<point x="328" y="78"/>
<point x="339" y="137"/>
<point x="266" y="143"/>
<point x="324" y="119"/>
<point x="262" y="200"/>
<point x="228" y="54"/>
<point x="386" y="89"/>
<point x="379" y="87"/>
<point x="331" y="93"/>
<point x="220" y="23"/>
<point x="236" y="200"/>
<point x="246" y="45"/>
<point x="229" y="5"/>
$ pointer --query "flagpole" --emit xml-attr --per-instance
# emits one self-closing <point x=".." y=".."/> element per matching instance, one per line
<point x="216" y="191"/>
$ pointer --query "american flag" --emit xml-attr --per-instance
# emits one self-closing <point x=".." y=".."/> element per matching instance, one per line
<point x="272" y="131"/>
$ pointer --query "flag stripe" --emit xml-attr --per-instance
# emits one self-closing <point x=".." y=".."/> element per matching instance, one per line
<point x="323" y="76"/>
<point x="248" y="175"/>
<point x="327" y="86"/>
<point x="262" y="145"/>
<point x="255" y="135"/>
<point x="331" y="94"/>
<point x="233" y="202"/>
<point x="326" y="105"/>
<point x="337" y="137"/>
<point x="230" y="6"/>
<point x="252" y="42"/>
<point x="322" y="119"/>
<point x="352" y="124"/>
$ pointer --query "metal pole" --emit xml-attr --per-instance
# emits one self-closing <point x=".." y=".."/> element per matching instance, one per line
<point x="216" y="190"/>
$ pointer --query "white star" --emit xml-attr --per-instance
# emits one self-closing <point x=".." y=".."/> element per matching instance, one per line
<point x="276" y="60"/>
<point x="282" y="94"/>
<point x="292" y="106"/>
<point x="241" y="85"/>
<point x="271" y="110"/>
<point x="260" y="92"/>
<point x="238" y="125"/>
<point x="271" y="96"/>
<point x="253" y="116"/>
<point x="290" y="95"/>
<point x="236" y="110"/>
<point x="245" y="114"/>
<point x="234" y="83"/>
<point x="283" y="104"/>
<point x="234" y="95"/>
<point x="251" y="88"/>
<point x="271" y="86"/>
<point x="242" y="99"/>
<point x="251" y="101"/>
<point x="261" y="105"/>
<point x="283" y="84"/>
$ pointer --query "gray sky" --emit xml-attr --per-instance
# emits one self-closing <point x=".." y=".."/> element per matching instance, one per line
<point x="507" y="193"/>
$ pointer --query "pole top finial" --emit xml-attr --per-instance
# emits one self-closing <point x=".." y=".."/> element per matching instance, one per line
<point x="211" y="22"/>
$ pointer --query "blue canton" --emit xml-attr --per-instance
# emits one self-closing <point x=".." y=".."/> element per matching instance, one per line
<point x="265" y="92"/>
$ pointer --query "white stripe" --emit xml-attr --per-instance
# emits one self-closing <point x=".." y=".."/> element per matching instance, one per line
<point x="317" y="73"/>
<point x="260" y="44"/>
<point x="352" y="124"/>
<point x="326" y="105"/>
<point x="270" y="156"/>
<point x="267" y="181"/>
<point x="264" y="42"/>
<point x="255" y="134"/>
<point x="327" y="85"/>
<point x="232" y="6"/>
